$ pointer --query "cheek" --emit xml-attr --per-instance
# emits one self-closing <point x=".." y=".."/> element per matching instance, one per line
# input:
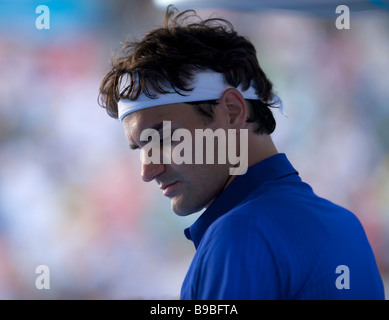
<point x="201" y="186"/>
<point x="204" y="181"/>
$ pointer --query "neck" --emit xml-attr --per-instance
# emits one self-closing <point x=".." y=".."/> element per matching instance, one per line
<point x="260" y="147"/>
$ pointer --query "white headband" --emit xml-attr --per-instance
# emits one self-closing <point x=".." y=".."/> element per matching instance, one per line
<point x="208" y="85"/>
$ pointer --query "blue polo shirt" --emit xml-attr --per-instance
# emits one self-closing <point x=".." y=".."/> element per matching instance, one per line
<point x="269" y="236"/>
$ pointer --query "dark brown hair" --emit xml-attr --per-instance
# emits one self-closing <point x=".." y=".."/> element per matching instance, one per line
<point x="169" y="57"/>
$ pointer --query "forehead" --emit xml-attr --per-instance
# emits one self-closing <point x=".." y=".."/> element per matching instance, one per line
<point x="180" y="114"/>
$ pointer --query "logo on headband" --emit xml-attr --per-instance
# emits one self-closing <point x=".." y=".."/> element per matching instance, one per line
<point x="208" y="85"/>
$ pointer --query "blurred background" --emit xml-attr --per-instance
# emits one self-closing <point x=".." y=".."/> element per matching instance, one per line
<point x="71" y="196"/>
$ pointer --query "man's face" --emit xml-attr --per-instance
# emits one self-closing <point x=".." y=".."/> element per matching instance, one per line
<point x="190" y="187"/>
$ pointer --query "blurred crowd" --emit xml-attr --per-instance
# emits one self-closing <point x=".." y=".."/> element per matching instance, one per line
<point x="71" y="196"/>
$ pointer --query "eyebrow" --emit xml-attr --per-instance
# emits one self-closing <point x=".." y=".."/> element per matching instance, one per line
<point x="158" y="126"/>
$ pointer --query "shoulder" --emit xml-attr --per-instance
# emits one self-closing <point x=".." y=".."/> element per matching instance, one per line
<point x="300" y="223"/>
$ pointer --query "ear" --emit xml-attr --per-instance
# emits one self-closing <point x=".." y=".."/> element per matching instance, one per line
<point x="236" y="108"/>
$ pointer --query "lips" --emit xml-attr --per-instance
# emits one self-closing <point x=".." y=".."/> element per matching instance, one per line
<point x="168" y="188"/>
<point x="165" y="185"/>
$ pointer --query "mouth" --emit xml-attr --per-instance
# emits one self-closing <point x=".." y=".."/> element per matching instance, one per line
<point x="168" y="189"/>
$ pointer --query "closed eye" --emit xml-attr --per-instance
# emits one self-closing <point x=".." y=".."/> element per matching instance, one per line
<point x="133" y="146"/>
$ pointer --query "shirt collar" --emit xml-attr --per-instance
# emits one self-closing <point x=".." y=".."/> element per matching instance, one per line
<point x="274" y="167"/>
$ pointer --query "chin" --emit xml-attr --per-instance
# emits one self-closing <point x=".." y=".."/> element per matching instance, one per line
<point x="181" y="208"/>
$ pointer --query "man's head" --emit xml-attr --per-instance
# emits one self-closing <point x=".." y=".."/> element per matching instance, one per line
<point x="167" y="60"/>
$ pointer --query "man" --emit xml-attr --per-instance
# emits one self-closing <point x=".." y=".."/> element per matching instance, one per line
<point x="264" y="233"/>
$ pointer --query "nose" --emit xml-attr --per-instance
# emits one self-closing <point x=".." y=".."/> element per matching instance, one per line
<point x="150" y="171"/>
